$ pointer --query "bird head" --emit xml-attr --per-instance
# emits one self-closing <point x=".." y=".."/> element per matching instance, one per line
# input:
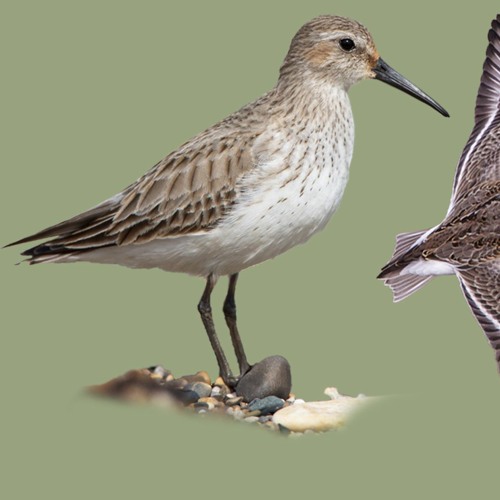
<point x="341" y="52"/>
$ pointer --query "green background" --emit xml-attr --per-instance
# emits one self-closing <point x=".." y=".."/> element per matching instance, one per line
<point x="93" y="94"/>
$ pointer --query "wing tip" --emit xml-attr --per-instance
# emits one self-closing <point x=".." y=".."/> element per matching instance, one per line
<point x="488" y="318"/>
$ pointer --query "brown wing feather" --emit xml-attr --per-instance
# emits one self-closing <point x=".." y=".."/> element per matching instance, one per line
<point x="481" y="287"/>
<point x="472" y="235"/>
<point x="188" y="191"/>
<point x="480" y="161"/>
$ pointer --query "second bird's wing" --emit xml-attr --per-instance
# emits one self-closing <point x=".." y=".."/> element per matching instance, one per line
<point x="480" y="159"/>
<point x="481" y="287"/>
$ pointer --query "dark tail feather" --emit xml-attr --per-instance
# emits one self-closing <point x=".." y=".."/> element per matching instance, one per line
<point x="92" y="216"/>
<point x="44" y="249"/>
<point x="404" y="242"/>
<point x="74" y="235"/>
<point x="403" y="285"/>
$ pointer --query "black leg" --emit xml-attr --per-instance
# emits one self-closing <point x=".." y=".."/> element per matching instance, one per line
<point x="205" y="311"/>
<point x="230" y="314"/>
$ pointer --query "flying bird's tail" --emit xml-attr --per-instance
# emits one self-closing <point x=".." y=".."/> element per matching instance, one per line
<point x="404" y="284"/>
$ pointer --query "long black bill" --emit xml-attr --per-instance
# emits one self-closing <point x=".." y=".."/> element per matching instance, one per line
<point x="388" y="75"/>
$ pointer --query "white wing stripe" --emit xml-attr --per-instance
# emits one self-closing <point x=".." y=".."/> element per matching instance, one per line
<point x="472" y="148"/>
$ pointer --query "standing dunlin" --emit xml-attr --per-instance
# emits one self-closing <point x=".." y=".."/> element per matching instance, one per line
<point x="467" y="242"/>
<point x="247" y="189"/>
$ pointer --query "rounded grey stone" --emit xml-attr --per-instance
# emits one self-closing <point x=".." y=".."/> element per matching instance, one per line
<point x="269" y="377"/>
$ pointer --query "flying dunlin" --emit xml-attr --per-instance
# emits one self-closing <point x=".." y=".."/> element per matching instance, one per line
<point x="247" y="189"/>
<point x="467" y="242"/>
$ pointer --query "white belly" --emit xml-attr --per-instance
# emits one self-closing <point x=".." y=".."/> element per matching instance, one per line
<point x="281" y="212"/>
<point x="267" y="222"/>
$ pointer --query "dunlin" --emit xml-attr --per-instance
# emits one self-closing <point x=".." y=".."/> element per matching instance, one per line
<point x="247" y="189"/>
<point x="467" y="242"/>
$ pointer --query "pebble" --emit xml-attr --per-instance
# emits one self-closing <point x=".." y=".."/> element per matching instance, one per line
<point x="251" y="419"/>
<point x="202" y="404"/>
<point x="176" y="384"/>
<point x="216" y="392"/>
<point x="332" y="393"/>
<point x="265" y="418"/>
<point x="157" y="385"/>
<point x="224" y="390"/>
<point x="201" y="388"/>
<point x="233" y="401"/>
<point x="267" y="405"/>
<point x="236" y="412"/>
<point x="159" y="372"/>
<point x="269" y="377"/>
<point x="317" y="416"/>
<point x="208" y="403"/>
<point x="212" y="402"/>
<point x="201" y="376"/>
<point x="254" y="413"/>
<point x="187" y="397"/>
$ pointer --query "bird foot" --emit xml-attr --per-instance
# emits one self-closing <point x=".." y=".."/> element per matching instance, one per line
<point x="232" y="381"/>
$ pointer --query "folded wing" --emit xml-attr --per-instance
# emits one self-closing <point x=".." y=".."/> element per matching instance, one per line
<point x="187" y="192"/>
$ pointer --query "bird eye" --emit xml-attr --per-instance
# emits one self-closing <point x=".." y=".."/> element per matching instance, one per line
<point x="347" y="44"/>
